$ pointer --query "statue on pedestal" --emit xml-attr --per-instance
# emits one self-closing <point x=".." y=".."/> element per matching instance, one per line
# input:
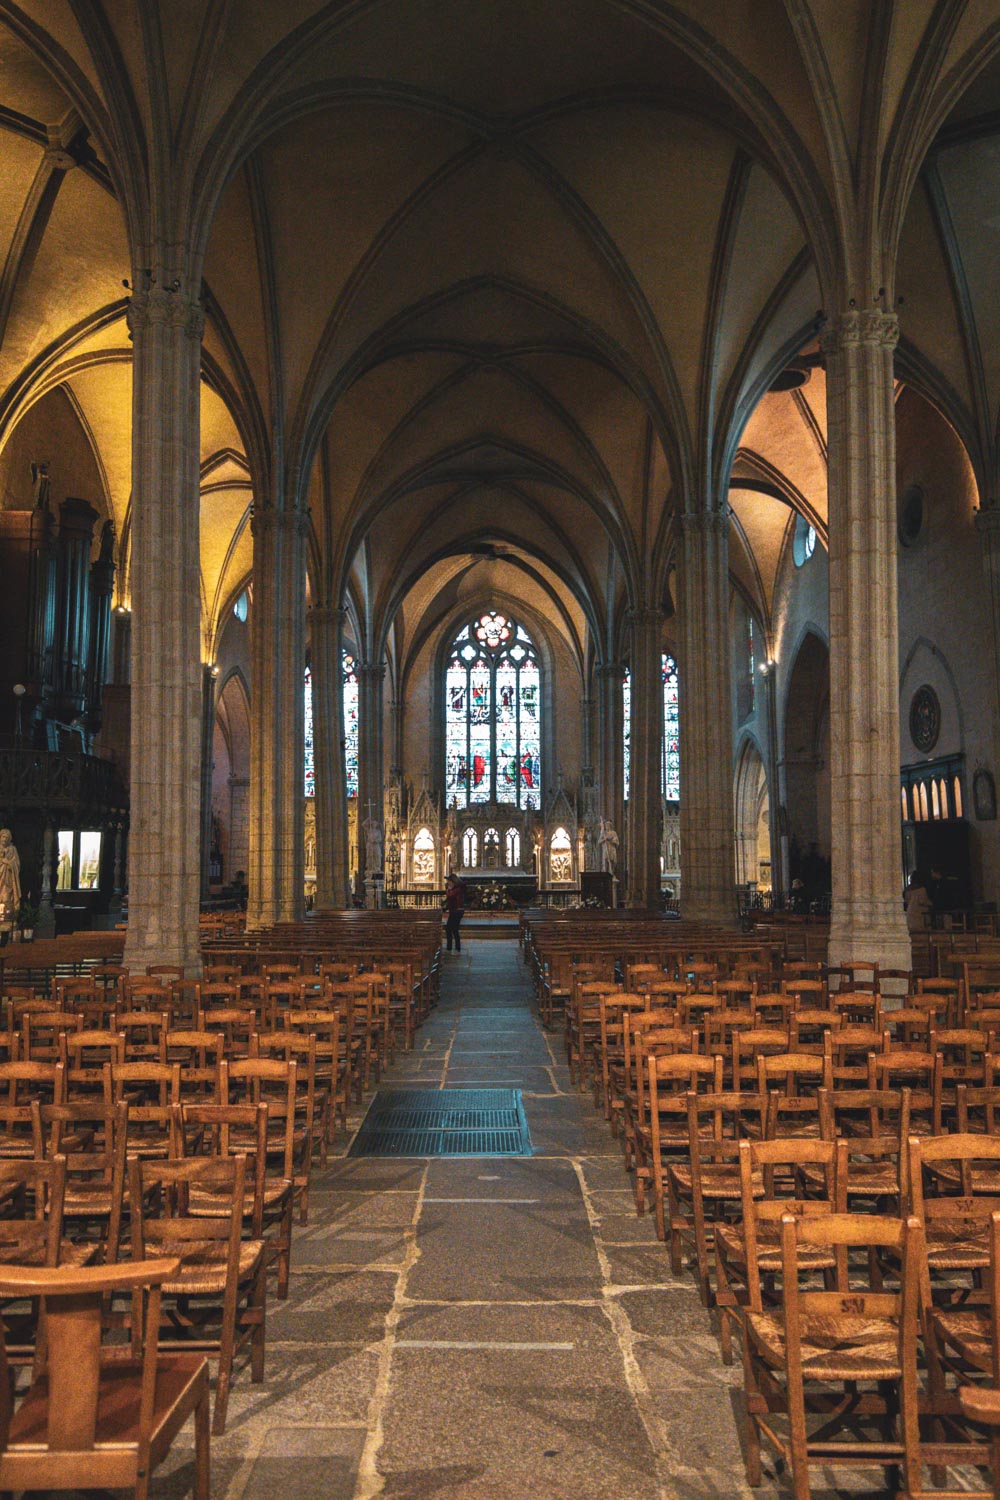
<point x="607" y="840"/>
<point x="372" y="829"/>
<point x="10" y="877"/>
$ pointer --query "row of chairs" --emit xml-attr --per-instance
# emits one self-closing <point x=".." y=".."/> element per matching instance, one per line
<point x="831" y="1173"/>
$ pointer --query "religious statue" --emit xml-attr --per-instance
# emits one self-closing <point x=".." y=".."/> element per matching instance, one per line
<point x="373" y="844"/>
<point x="607" y="840"/>
<point x="10" y="876"/>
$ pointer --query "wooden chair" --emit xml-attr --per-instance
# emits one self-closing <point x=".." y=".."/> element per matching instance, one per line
<point x="962" y="1353"/>
<point x="266" y="1081"/>
<point x="220" y="1282"/>
<point x="91" y="1137"/>
<point x="860" y="1342"/>
<point x="748" y="1250"/>
<point x="149" y="1089"/>
<point x="706" y="1187"/>
<point x="198" y="1055"/>
<point x="20" y="1083"/>
<point x="95" y="1416"/>
<point x="670" y="1080"/>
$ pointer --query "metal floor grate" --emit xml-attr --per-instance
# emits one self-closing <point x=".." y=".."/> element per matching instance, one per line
<point x="444" y="1122"/>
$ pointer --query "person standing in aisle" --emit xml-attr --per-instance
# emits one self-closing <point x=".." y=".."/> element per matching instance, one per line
<point x="454" y="901"/>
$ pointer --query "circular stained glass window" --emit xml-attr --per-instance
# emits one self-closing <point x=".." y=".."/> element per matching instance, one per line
<point x="925" y="719"/>
<point x="493" y="630"/>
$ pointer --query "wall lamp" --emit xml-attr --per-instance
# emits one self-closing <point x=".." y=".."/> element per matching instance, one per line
<point x="768" y="667"/>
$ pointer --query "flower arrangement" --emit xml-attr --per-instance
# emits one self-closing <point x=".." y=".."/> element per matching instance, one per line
<point x="492" y="897"/>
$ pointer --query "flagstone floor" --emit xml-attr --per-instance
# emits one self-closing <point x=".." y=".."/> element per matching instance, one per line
<point x="483" y="1329"/>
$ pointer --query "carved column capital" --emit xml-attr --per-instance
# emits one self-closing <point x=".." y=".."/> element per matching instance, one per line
<point x="165" y="307"/>
<point x="861" y="325"/>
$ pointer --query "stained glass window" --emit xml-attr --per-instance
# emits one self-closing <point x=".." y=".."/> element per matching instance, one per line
<point x="627" y="727"/>
<point x="350" y="725"/>
<point x="493" y="715"/>
<point x="350" y="730"/>
<point x="670" y="768"/>
<point x="671" y="731"/>
<point x="310" y="762"/>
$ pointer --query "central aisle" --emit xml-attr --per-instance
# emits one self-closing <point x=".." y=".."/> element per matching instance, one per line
<point x="526" y="1353"/>
<point x="485" y="1329"/>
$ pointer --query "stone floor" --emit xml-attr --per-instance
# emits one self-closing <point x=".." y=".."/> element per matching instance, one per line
<point x="488" y="1329"/>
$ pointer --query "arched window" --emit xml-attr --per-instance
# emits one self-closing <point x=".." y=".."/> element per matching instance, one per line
<point x="560" y="858"/>
<point x="905" y="797"/>
<point x="627" y="728"/>
<point x="350" y="730"/>
<point x="423" y="857"/>
<point x="670" y="767"/>
<point x="512" y="848"/>
<point x="350" y="725"/>
<point x="956" y="788"/>
<point x="935" y="800"/>
<point x="470" y="849"/>
<point x="493" y="715"/>
<point x="671" y="731"/>
<point x="310" y="767"/>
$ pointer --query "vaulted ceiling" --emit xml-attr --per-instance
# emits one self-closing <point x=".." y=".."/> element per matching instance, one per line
<point x="495" y="286"/>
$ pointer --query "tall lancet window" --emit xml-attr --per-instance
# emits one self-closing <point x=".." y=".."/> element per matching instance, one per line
<point x="350" y="677"/>
<point x="310" y="767"/>
<point x="493" y="718"/>
<point x="350" y="724"/>
<point x="670" y="759"/>
<point x="671" y="731"/>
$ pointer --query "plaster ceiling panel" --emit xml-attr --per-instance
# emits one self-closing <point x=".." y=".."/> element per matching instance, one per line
<point x="21" y="159"/>
<point x="764" y="521"/>
<point x="104" y="395"/>
<point x="655" y="182"/>
<point x="784" y="441"/>
<point x="368" y="413"/>
<point x="792" y="325"/>
<point x="234" y="277"/>
<point x="78" y="268"/>
<point x="238" y="569"/>
<point x="218" y="430"/>
<point x="494" y="219"/>
<point x="928" y="317"/>
<point x="333" y="184"/>
<point x="25" y="85"/>
<point x="607" y="412"/>
<point x="504" y="57"/>
<point x="768" y="239"/>
<point x="221" y="513"/>
<point x="108" y="343"/>
<point x="971" y="177"/>
<point x="494" y="317"/>
<point x="758" y="40"/>
<point x="487" y="408"/>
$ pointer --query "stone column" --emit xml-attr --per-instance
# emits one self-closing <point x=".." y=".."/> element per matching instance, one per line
<point x="645" y="810"/>
<point x="370" y="768"/>
<point x="45" y="922"/>
<point x="239" y="825"/>
<point x="774" y="794"/>
<point x="164" y="847"/>
<point x="208" y="675"/>
<point x="867" y="919"/>
<point x="276" y="871"/>
<point x="326" y="630"/>
<point x="706" y="721"/>
<point x="610" y="750"/>
<point x="988" y="526"/>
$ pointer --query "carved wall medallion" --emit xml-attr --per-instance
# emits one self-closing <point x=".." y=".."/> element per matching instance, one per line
<point x="925" y="719"/>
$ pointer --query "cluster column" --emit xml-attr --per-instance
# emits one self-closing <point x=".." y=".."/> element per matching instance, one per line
<point x="277" y="750"/>
<point x="164" y="846"/>
<point x="645" y="803"/>
<point x="327" y="634"/>
<point x="370" y="758"/>
<point x="706" y="715"/>
<point x="610" y="744"/>
<point x="867" y="919"/>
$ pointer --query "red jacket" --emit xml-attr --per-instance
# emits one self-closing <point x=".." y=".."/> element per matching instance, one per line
<point x="454" y="898"/>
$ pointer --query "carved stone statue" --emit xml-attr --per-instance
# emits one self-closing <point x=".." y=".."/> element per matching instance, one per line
<point x="10" y="876"/>
<point x="373" y="844"/>
<point x="607" y="840"/>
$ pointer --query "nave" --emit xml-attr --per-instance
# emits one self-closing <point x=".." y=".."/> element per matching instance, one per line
<point x="482" y="1329"/>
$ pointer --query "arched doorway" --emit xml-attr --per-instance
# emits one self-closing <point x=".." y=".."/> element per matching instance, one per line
<point x="752" y="821"/>
<point x="231" y="782"/>
<point x="807" y="766"/>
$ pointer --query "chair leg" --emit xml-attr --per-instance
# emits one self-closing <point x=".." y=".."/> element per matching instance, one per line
<point x="202" y="1449"/>
<point x="258" y="1308"/>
